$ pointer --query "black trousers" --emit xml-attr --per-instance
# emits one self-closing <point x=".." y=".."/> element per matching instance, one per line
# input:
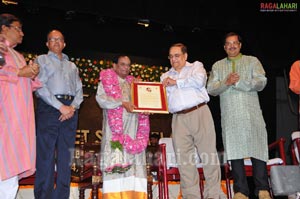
<point x="260" y="176"/>
<point x="55" y="141"/>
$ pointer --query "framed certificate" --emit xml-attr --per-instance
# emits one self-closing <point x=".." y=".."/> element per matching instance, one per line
<point x="149" y="97"/>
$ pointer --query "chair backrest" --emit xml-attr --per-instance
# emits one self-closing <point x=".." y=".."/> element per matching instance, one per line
<point x="86" y="161"/>
<point x="296" y="139"/>
<point x="171" y="155"/>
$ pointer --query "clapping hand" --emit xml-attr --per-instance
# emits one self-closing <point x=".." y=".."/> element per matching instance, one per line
<point x="31" y="70"/>
<point x="232" y="79"/>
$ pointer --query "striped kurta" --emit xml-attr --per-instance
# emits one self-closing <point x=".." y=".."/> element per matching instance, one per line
<point x="17" y="124"/>
<point x="243" y="126"/>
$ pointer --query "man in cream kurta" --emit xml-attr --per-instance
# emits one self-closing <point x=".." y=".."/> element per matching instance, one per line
<point x="237" y="79"/>
<point x="124" y="172"/>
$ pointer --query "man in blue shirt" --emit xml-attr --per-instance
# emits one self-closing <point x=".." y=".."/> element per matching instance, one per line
<point x="57" y="104"/>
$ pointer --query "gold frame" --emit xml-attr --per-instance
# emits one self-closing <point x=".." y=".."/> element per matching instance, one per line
<point x="142" y="88"/>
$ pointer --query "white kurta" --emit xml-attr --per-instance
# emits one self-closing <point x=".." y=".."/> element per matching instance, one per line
<point x="132" y="183"/>
<point x="243" y="127"/>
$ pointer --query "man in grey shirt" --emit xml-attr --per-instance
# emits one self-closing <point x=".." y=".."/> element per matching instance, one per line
<point x="57" y="104"/>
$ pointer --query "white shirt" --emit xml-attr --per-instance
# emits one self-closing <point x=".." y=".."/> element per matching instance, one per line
<point x="190" y="89"/>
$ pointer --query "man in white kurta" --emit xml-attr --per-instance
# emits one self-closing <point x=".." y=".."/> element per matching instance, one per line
<point x="237" y="79"/>
<point x="124" y="171"/>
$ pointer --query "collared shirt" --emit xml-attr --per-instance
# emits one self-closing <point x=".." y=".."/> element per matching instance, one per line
<point x="190" y="89"/>
<point x="59" y="77"/>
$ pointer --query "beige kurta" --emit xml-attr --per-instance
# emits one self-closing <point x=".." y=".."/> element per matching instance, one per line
<point x="243" y="127"/>
<point x="132" y="183"/>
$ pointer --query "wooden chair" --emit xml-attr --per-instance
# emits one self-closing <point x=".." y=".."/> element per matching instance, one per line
<point x="90" y="176"/>
<point x="295" y="147"/>
<point x="279" y="145"/>
<point x="168" y="170"/>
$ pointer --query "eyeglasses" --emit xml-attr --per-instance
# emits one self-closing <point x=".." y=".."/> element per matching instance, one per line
<point x="53" y="39"/>
<point x="123" y="64"/>
<point x="174" y="56"/>
<point x="17" y="28"/>
<point x="234" y="43"/>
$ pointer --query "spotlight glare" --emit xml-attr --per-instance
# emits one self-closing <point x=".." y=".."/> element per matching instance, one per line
<point x="6" y="2"/>
<point x="144" y="22"/>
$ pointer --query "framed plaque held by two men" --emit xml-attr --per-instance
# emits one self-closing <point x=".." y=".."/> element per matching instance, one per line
<point x="149" y="97"/>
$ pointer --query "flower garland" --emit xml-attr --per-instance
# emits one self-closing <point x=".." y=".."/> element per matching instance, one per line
<point x="112" y="88"/>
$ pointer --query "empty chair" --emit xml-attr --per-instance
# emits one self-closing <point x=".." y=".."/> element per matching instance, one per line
<point x="89" y="169"/>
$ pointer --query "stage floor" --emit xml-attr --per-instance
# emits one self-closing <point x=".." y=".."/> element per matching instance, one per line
<point x="26" y="191"/>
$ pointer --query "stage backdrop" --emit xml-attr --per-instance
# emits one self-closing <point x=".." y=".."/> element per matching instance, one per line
<point x="90" y="121"/>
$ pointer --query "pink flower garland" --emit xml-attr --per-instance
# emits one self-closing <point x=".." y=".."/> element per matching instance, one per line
<point x="112" y="88"/>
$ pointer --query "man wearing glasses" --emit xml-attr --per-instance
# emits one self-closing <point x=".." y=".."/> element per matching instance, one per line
<point x="192" y="124"/>
<point x="58" y="102"/>
<point x="17" y="126"/>
<point x="237" y="79"/>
